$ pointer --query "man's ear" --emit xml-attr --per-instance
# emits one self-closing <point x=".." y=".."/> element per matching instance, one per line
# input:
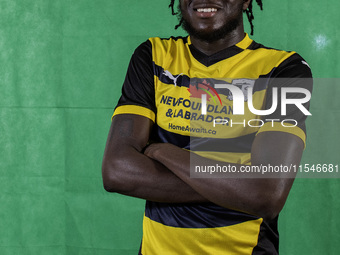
<point x="246" y="4"/>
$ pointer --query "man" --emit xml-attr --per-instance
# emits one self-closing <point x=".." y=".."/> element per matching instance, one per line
<point x="161" y="98"/>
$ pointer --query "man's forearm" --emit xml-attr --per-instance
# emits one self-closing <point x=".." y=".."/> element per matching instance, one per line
<point x="128" y="171"/>
<point x="262" y="197"/>
<point x="134" y="174"/>
<point x="227" y="192"/>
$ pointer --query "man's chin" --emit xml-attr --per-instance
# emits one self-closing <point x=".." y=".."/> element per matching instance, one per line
<point x="211" y="36"/>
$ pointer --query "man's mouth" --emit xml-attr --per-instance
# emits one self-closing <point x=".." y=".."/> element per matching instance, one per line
<point x="206" y="10"/>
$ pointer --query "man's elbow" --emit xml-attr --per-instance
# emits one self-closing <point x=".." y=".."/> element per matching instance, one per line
<point x="270" y="205"/>
<point x="268" y="211"/>
<point x="109" y="182"/>
<point x="115" y="178"/>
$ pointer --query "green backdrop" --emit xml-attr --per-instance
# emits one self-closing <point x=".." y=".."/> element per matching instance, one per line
<point x="62" y="64"/>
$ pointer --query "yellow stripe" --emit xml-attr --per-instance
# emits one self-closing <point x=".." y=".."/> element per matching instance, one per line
<point x="189" y="40"/>
<point x="276" y="126"/>
<point x="239" y="239"/>
<point x="246" y="41"/>
<point x="134" y="109"/>
<point x="244" y="44"/>
<point x="265" y="59"/>
<point x="230" y="157"/>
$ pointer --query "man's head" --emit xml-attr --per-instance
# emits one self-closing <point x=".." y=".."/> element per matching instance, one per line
<point x="211" y="20"/>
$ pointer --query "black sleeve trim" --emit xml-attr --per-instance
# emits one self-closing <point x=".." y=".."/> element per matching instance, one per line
<point x="292" y="72"/>
<point x="293" y="67"/>
<point x="138" y="88"/>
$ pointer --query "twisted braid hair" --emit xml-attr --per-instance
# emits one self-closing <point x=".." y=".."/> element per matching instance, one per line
<point x="249" y="13"/>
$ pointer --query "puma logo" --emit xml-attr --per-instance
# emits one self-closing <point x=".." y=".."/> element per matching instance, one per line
<point x="171" y="77"/>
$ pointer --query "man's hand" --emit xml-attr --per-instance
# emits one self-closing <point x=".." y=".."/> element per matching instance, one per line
<point x="153" y="150"/>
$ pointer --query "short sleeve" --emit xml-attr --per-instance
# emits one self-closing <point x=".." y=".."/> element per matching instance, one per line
<point x="138" y="92"/>
<point x="294" y="72"/>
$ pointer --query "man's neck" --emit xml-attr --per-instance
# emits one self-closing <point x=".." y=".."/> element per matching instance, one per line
<point x="210" y="48"/>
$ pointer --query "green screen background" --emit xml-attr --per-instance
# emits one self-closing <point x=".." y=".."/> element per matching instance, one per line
<point x="62" y="64"/>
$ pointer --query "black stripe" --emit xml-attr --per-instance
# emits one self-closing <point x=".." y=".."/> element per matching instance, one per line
<point x="206" y="215"/>
<point x="164" y="136"/>
<point x="186" y="81"/>
<point x="240" y="144"/>
<point x="216" y="57"/>
<point x="268" y="241"/>
<point x="254" y="46"/>
<point x="182" y="81"/>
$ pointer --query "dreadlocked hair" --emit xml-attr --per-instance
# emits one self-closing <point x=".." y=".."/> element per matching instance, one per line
<point x="249" y="13"/>
<point x="172" y="6"/>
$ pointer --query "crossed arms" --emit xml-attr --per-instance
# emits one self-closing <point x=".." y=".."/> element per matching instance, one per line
<point x="161" y="172"/>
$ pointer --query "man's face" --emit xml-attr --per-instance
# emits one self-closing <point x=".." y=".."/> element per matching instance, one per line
<point x="211" y="20"/>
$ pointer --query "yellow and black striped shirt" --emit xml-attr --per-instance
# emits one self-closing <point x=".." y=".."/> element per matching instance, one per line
<point x="165" y="81"/>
